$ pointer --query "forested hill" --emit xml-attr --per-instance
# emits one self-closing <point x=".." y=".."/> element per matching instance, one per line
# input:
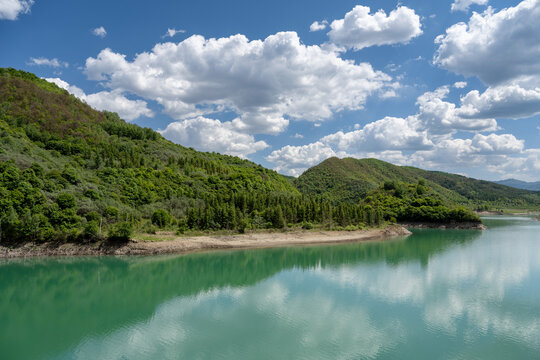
<point x="71" y="173"/>
<point x="351" y="179"/>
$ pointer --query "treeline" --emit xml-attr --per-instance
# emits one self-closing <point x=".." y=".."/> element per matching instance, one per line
<point x="405" y="202"/>
<point x="32" y="210"/>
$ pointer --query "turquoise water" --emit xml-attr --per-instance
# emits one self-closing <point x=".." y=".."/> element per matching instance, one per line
<point x="439" y="294"/>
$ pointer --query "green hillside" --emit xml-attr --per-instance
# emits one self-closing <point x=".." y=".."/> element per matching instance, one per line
<point x="352" y="179"/>
<point x="71" y="173"/>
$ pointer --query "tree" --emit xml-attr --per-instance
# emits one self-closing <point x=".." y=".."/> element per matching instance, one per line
<point x="66" y="201"/>
<point x="161" y="218"/>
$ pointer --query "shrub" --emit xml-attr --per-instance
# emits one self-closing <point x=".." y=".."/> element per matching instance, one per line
<point x="70" y="174"/>
<point x="92" y="216"/>
<point x="65" y="201"/>
<point x="91" y="230"/>
<point x="161" y="218"/>
<point x="307" y="226"/>
<point x="182" y="226"/>
<point x="121" y="232"/>
<point x="111" y="213"/>
<point x="91" y="194"/>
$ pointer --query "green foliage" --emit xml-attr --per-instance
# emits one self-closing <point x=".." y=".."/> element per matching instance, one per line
<point x="352" y="179"/>
<point x="404" y="203"/>
<point x="91" y="230"/>
<point x="66" y="201"/>
<point x="91" y="194"/>
<point x="161" y="218"/>
<point x="111" y="213"/>
<point x="307" y="226"/>
<point x="121" y="232"/>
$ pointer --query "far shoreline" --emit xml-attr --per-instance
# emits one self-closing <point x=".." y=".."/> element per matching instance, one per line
<point x="173" y="244"/>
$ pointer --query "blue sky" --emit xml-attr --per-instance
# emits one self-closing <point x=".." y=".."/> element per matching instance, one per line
<point x="448" y="85"/>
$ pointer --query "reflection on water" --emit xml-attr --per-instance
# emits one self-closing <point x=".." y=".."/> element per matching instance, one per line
<point x="437" y="294"/>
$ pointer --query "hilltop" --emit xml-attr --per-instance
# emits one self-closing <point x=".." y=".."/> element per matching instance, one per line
<point x="351" y="179"/>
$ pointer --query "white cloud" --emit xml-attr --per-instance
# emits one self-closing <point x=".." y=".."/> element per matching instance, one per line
<point x="212" y="135"/>
<point x="440" y="117"/>
<point x="298" y="136"/>
<point x="10" y="9"/>
<point x="100" y="31"/>
<point x="294" y="160"/>
<point x="389" y="133"/>
<point x="108" y="100"/>
<point x="480" y="150"/>
<point x="317" y="26"/>
<point x="497" y="47"/>
<point x="526" y="167"/>
<point x="173" y="32"/>
<point x="509" y="101"/>
<point x="117" y="102"/>
<point x="360" y="29"/>
<point x="463" y="5"/>
<point x="424" y="139"/>
<point x="460" y="84"/>
<point x="41" y="61"/>
<point x="266" y="82"/>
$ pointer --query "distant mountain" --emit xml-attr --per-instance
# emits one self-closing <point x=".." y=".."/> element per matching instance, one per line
<point x="533" y="186"/>
<point x="351" y="179"/>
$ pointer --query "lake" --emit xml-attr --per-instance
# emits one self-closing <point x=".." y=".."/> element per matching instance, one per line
<point x="438" y="294"/>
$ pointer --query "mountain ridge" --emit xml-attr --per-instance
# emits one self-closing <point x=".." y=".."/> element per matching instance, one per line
<point x="349" y="179"/>
<point x="519" y="184"/>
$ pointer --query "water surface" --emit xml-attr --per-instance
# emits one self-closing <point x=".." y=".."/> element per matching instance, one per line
<point x="439" y="294"/>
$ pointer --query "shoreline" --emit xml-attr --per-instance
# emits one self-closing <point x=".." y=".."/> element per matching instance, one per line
<point x="459" y="226"/>
<point x="185" y="245"/>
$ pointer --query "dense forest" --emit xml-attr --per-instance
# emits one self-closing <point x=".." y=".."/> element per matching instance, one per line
<point x="71" y="173"/>
<point x="351" y="180"/>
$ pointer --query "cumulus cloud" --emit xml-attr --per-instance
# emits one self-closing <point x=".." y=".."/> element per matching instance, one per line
<point x="463" y="5"/>
<point x="510" y="101"/>
<point x="384" y="139"/>
<point x="41" y="61"/>
<point x="460" y="84"/>
<point x="389" y="133"/>
<point x="480" y="150"/>
<point x="497" y="47"/>
<point x="440" y="117"/>
<point x="318" y="26"/>
<point x="266" y="82"/>
<point x="360" y="29"/>
<point x="108" y="100"/>
<point x="424" y="139"/>
<point x="10" y="9"/>
<point x="100" y="31"/>
<point x="212" y="135"/>
<point x="294" y="160"/>
<point x="173" y="32"/>
<point x="526" y="166"/>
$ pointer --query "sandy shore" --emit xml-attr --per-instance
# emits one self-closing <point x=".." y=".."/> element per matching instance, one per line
<point x="173" y="244"/>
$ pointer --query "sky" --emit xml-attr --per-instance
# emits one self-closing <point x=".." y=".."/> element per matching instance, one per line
<point x="451" y="85"/>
